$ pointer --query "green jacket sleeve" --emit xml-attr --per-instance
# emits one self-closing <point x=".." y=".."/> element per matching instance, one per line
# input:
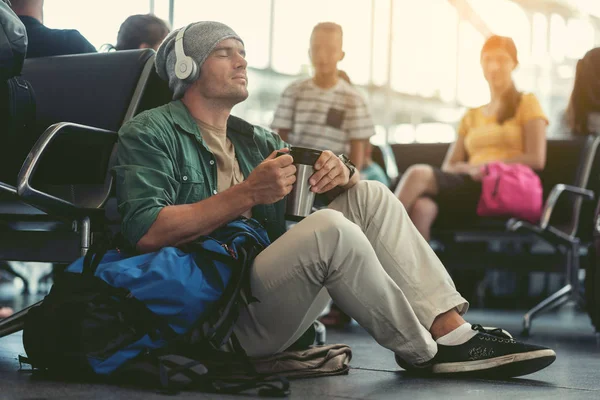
<point x="145" y="180"/>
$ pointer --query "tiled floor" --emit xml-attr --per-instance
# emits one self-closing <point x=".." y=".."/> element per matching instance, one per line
<point x="374" y="374"/>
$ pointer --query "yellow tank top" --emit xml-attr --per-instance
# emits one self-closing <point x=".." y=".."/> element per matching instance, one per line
<point x="487" y="141"/>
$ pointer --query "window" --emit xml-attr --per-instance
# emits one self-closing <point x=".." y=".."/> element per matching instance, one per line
<point x="403" y="133"/>
<point x="506" y="18"/>
<point x="580" y="37"/>
<point x="587" y="6"/>
<point x="435" y="132"/>
<point x="254" y="31"/>
<point x="472" y="87"/>
<point x="293" y="25"/>
<point x="558" y="38"/>
<point x="424" y="48"/>
<point x="539" y="40"/>
<point x="379" y="138"/>
<point x="161" y="9"/>
<point x="572" y="38"/>
<point x="99" y="22"/>
<point x="381" y="42"/>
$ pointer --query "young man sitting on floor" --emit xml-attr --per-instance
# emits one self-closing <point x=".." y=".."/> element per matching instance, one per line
<point x="188" y="167"/>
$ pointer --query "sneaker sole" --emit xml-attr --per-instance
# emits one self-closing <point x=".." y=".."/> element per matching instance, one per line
<point x="500" y="367"/>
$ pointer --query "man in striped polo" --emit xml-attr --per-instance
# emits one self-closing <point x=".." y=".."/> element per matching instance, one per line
<point x="324" y="111"/>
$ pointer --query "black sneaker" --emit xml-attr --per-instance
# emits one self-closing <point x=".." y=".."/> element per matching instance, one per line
<point x="491" y="353"/>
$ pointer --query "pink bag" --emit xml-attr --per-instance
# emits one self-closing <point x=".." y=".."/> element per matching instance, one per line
<point x="510" y="190"/>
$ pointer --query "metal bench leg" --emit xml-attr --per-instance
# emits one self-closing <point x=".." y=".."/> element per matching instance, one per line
<point x="568" y="292"/>
<point x="86" y="235"/>
<point x="555" y="300"/>
<point x="15" y="322"/>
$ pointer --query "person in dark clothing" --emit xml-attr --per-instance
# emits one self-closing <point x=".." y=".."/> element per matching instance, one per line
<point x="141" y="31"/>
<point x="583" y="112"/>
<point x="46" y="42"/>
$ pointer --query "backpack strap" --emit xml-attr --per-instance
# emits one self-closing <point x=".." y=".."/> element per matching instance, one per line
<point x="221" y="329"/>
<point x="179" y="372"/>
<point x="21" y="101"/>
<point x="92" y="258"/>
<point x="17" y="115"/>
<point x="147" y="321"/>
<point x="99" y="247"/>
<point x="135" y="310"/>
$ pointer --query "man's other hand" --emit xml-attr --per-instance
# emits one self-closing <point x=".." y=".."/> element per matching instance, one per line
<point x="330" y="172"/>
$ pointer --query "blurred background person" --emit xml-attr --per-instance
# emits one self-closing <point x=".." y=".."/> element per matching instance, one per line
<point x="46" y="42"/>
<point x="325" y="112"/>
<point x="141" y="31"/>
<point x="511" y="128"/>
<point x="370" y="169"/>
<point x="583" y="112"/>
<point x="5" y="312"/>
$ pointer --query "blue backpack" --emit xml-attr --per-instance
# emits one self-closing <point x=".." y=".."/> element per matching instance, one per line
<point x="110" y="311"/>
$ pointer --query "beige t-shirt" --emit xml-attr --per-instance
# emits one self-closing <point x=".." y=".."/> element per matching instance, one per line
<point x="228" y="168"/>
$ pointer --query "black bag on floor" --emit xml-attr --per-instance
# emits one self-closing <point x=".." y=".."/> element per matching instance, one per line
<point x="137" y="319"/>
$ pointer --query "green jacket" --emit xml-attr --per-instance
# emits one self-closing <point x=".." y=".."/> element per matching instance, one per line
<point x="162" y="160"/>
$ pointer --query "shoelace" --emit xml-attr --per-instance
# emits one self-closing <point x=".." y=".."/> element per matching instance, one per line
<point x="498" y="332"/>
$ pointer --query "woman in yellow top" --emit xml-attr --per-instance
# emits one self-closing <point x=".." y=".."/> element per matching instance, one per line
<point x="511" y="129"/>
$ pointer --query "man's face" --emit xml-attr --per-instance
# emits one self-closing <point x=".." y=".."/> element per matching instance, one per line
<point x="325" y="51"/>
<point x="223" y="74"/>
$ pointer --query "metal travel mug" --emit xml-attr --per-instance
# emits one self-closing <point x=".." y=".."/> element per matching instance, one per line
<point x="300" y="201"/>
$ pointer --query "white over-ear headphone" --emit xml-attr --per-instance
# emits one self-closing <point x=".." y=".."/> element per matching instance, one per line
<point x="186" y="68"/>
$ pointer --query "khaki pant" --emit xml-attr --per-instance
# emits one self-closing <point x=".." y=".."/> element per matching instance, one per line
<point x="365" y="254"/>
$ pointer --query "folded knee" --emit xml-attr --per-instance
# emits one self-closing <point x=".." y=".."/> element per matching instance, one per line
<point x="328" y="221"/>
<point x="419" y="172"/>
<point x="371" y="186"/>
<point x="333" y="229"/>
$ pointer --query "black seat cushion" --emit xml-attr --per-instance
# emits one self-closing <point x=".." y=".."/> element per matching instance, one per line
<point x="89" y="89"/>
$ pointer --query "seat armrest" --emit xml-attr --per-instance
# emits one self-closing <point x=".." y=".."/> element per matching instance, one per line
<point x="549" y="234"/>
<point x="5" y="188"/>
<point x="553" y="197"/>
<point x="515" y="224"/>
<point x="544" y="229"/>
<point x="37" y="198"/>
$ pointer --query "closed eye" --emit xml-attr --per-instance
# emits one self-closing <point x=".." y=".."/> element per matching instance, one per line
<point x="228" y="52"/>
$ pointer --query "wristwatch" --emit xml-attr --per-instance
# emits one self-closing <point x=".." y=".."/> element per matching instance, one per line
<point x="348" y="164"/>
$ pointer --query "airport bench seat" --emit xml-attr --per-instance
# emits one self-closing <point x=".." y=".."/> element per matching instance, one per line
<point x="571" y="175"/>
<point x="81" y="102"/>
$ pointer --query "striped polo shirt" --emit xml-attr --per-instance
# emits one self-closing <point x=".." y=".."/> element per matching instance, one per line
<point x="326" y="119"/>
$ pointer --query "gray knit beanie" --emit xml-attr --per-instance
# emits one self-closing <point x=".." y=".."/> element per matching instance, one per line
<point x="199" y="40"/>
